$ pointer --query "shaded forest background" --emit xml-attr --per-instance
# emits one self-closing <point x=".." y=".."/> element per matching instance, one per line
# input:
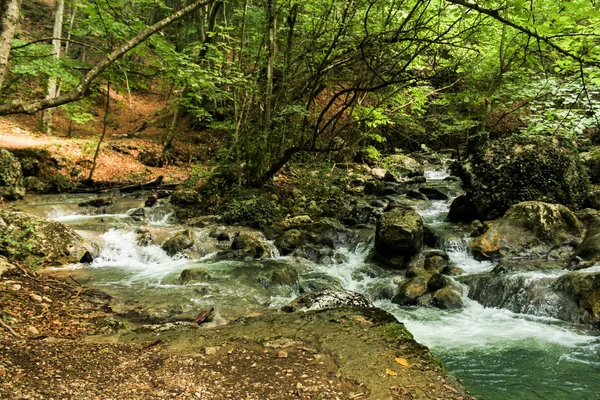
<point x="261" y="83"/>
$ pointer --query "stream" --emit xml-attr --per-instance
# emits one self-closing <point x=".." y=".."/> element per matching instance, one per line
<point x="497" y="353"/>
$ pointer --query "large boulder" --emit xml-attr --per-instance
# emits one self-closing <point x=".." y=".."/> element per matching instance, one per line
<point x="530" y="228"/>
<point x="523" y="168"/>
<point x="399" y="236"/>
<point x="584" y="289"/>
<point x="36" y="241"/>
<point x="591" y="161"/>
<point x="178" y="243"/>
<point x="11" y="176"/>
<point x="401" y="166"/>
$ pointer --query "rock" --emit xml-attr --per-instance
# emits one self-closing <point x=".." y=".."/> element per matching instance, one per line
<point x="591" y="161"/>
<point x="589" y="249"/>
<point x="399" y="236"/>
<point x="97" y="202"/>
<point x="37" y="241"/>
<point x="11" y="176"/>
<point x="531" y="228"/>
<point x="409" y="291"/>
<point x="378" y="173"/>
<point x="584" y="289"/>
<point x="194" y="275"/>
<point x="87" y="258"/>
<point x="327" y="299"/>
<point x="30" y="166"/>
<point x="592" y="201"/>
<point x="447" y="298"/>
<point x="185" y="197"/>
<point x="436" y="282"/>
<point x="5" y="266"/>
<point x="282" y="275"/>
<point x="220" y="233"/>
<point x="249" y="244"/>
<point x="137" y="214"/>
<point x="430" y="237"/>
<point x="433" y="193"/>
<point x="151" y="200"/>
<point x="299" y="220"/>
<point x="415" y="194"/>
<point x="144" y="237"/>
<point x="290" y="241"/>
<point x="462" y="209"/>
<point x="178" y="243"/>
<point x="524" y="168"/>
<point x="33" y="184"/>
<point x="402" y="166"/>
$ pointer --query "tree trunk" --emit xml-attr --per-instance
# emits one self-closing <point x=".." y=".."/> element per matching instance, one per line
<point x="90" y="177"/>
<point x="9" y="16"/>
<point x="56" y="47"/>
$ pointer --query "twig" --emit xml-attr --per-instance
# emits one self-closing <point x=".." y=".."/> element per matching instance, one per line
<point x="77" y="294"/>
<point x="8" y="328"/>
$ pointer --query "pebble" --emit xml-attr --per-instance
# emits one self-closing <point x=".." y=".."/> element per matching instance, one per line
<point x="33" y="330"/>
<point x="36" y="297"/>
<point x="16" y="287"/>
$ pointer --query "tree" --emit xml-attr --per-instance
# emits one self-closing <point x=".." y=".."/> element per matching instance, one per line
<point x="9" y="16"/>
<point x="82" y="88"/>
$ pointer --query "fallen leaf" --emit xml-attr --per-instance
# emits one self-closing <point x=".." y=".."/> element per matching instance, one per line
<point x="402" y="361"/>
<point x="390" y="372"/>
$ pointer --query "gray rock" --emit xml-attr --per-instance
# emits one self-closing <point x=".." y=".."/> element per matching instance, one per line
<point x="178" y="243"/>
<point x="447" y="298"/>
<point x="194" y="275"/>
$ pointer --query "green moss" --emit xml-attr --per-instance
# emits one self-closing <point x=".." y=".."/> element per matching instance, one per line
<point x="252" y="210"/>
<point x="396" y="331"/>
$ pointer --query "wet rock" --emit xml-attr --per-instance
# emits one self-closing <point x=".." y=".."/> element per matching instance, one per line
<point x="249" y="244"/>
<point x="178" y="243"/>
<point x="281" y="275"/>
<point x="505" y="172"/>
<point x="11" y="176"/>
<point x="399" y="236"/>
<point x="433" y="193"/>
<point x="290" y="241"/>
<point x="584" y="289"/>
<point x="37" y="241"/>
<point x="409" y="291"/>
<point x="327" y="299"/>
<point x="151" y="200"/>
<point x="194" y="275"/>
<point x="430" y="237"/>
<point x="462" y="209"/>
<point x="447" y="298"/>
<point x="415" y="194"/>
<point x="530" y="228"/>
<point x="87" y="258"/>
<point x="589" y="250"/>
<point x="220" y="233"/>
<point x="593" y="200"/>
<point x="138" y="214"/>
<point x="144" y="237"/>
<point x="436" y="282"/>
<point x="97" y="202"/>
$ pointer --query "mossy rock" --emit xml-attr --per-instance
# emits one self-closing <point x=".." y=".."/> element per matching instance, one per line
<point x="530" y="228"/>
<point x="36" y="241"/>
<point x="524" y="168"/>
<point x="399" y="236"/>
<point x="11" y="176"/>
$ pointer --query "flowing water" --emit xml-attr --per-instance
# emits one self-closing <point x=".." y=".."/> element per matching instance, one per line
<point x="499" y="354"/>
